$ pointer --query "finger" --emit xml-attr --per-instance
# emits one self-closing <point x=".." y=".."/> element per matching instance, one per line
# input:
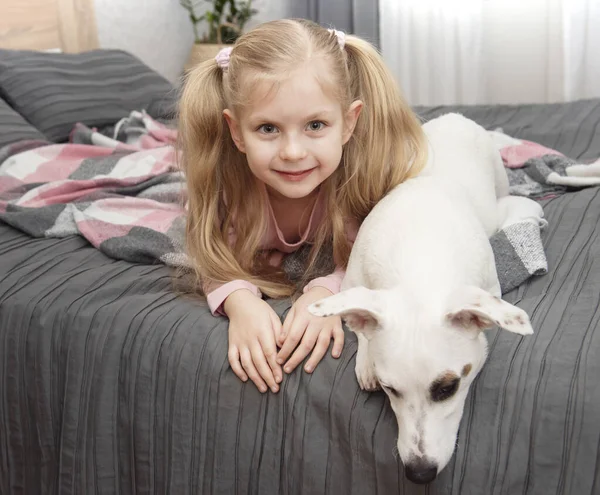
<point x="287" y="323"/>
<point x="319" y="350"/>
<point x="269" y="351"/>
<point x="260" y="361"/>
<point x="338" y="339"/>
<point x="304" y="349"/>
<point x="234" y="361"/>
<point x="277" y="327"/>
<point x="249" y="367"/>
<point x="297" y="329"/>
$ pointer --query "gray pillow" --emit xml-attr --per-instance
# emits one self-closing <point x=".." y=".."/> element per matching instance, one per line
<point x="14" y="128"/>
<point x="53" y="91"/>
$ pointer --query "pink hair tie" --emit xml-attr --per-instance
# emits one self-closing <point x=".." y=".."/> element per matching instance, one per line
<point x="223" y="56"/>
<point x="341" y="37"/>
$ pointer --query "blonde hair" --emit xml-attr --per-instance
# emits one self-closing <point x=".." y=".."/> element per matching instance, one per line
<point x="386" y="148"/>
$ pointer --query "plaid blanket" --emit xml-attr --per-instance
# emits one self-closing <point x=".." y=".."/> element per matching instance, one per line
<point x="123" y="193"/>
<point x="121" y="190"/>
<point x="535" y="171"/>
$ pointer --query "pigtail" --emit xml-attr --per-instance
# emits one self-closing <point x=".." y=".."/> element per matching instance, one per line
<point x="202" y="141"/>
<point x="223" y="195"/>
<point x="388" y="145"/>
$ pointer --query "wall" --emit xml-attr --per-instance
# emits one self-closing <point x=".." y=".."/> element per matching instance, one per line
<point x="159" y="31"/>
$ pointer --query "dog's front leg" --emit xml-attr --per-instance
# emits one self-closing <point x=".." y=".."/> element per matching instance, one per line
<point x="365" y="373"/>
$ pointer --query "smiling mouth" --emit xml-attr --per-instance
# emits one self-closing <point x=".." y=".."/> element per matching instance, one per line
<point x="295" y="176"/>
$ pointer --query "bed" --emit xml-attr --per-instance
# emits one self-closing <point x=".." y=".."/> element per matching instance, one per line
<point x="111" y="381"/>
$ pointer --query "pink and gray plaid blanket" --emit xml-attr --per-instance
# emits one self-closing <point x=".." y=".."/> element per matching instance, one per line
<point x="123" y="193"/>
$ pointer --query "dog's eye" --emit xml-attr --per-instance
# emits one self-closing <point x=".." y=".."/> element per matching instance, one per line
<point x="391" y="391"/>
<point x="441" y="391"/>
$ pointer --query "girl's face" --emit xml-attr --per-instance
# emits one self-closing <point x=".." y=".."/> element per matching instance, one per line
<point x="293" y="136"/>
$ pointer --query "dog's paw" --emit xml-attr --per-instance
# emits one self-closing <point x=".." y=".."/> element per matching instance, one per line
<point x="365" y="375"/>
<point x="368" y="383"/>
<point x="365" y="372"/>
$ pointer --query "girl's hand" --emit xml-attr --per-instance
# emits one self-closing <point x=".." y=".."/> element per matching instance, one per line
<point x="304" y="332"/>
<point x="253" y="326"/>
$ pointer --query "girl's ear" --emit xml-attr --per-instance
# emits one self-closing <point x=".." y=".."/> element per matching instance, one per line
<point x="350" y="119"/>
<point x="234" y="129"/>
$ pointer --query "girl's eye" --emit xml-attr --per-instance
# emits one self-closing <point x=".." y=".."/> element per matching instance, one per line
<point x="267" y="129"/>
<point x="316" y="125"/>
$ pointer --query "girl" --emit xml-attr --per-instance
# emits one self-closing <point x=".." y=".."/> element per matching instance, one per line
<point x="289" y="137"/>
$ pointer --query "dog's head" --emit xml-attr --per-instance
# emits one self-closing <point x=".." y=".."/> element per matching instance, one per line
<point x="425" y="359"/>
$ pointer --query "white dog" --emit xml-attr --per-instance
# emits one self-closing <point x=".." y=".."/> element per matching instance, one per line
<point x="421" y="285"/>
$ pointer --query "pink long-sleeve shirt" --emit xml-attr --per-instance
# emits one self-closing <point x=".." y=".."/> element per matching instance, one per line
<point x="275" y="242"/>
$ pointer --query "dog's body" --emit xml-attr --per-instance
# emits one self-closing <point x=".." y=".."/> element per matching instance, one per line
<point x="421" y="284"/>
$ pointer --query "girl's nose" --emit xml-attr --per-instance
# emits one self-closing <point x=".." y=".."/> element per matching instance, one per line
<point x="292" y="150"/>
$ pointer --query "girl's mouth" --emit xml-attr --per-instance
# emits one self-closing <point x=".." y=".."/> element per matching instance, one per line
<point x="295" y="176"/>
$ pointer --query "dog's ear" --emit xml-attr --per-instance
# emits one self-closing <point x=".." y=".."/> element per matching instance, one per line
<point x="474" y="309"/>
<point x="360" y="308"/>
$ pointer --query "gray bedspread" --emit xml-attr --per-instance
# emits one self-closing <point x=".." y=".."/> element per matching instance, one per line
<point x="110" y="382"/>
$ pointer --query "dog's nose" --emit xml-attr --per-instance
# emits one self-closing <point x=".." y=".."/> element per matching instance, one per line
<point x="421" y="472"/>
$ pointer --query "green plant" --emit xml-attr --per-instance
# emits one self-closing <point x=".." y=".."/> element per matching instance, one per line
<point x="225" y="19"/>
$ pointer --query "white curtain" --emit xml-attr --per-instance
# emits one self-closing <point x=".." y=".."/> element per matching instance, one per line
<point x="582" y="49"/>
<point x="489" y="51"/>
